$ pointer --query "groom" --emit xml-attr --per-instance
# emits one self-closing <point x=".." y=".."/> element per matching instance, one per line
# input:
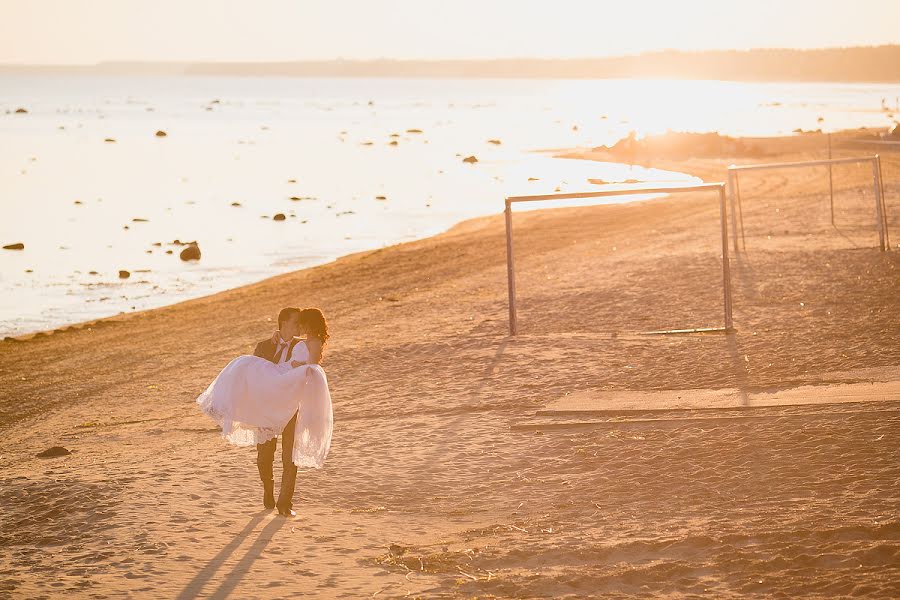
<point x="278" y="350"/>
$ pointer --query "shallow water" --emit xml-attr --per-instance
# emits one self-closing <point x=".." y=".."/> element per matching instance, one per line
<point x="86" y="209"/>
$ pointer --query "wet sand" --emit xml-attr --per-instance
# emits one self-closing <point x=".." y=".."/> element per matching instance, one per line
<point x="445" y="477"/>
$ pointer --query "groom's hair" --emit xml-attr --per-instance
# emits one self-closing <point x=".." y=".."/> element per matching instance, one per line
<point x="287" y="314"/>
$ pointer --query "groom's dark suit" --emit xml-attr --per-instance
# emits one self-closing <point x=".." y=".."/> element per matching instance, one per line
<point x="265" y="453"/>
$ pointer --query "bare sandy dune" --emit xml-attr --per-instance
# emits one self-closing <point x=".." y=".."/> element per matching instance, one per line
<point x="430" y="489"/>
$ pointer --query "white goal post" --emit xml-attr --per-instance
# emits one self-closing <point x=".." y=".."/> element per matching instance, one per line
<point x="734" y="192"/>
<point x="726" y="273"/>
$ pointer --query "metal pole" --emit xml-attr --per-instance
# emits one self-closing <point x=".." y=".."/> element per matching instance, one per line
<point x="830" y="181"/>
<point x="726" y="272"/>
<point x="879" y="198"/>
<point x="887" y="230"/>
<point x="510" y="269"/>
<point x="733" y="211"/>
<point x="737" y="185"/>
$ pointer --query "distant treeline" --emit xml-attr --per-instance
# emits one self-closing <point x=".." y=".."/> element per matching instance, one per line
<point x="858" y="64"/>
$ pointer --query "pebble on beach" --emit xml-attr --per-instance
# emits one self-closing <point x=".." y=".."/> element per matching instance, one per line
<point x="22" y="110"/>
<point x="470" y="160"/>
<point x="191" y="252"/>
<point x="16" y="246"/>
<point x="495" y="142"/>
<point x="279" y="217"/>
<point x="110" y="140"/>
<point x="161" y="133"/>
<point x="124" y="274"/>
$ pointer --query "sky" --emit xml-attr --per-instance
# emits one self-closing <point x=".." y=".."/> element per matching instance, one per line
<point x="90" y="31"/>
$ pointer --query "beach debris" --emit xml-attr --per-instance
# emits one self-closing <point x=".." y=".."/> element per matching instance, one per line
<point x="16" y="246"/>
<point x="495" y="142"/>
<point x="161" y="133"/>
<point x="381" y="197"/>
<point x="395" y="135"/>
<point x="110" y="140"/>
<point x="77" y="202"/>
<point x="470" y="160"/>
<point x="414" y="131"/>
<point x="124" y="274"/>
<point x="534" y="179"/>
<point x="292" y="181"/>
<point x="366" y="143"/>
<point x="236" y="204"/>
<point x="140" y="220"/>
<point x="392" y="143"/>
<point x="93" y="273"/>
<point x="54" y="451"/>
<point x="190" y="252"/>
<point x="279" y="217"/>
<point x="22" y="111"/>
<point x="169" y="252"/>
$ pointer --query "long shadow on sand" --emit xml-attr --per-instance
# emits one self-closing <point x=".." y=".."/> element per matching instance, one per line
<point x="194" y="587"/>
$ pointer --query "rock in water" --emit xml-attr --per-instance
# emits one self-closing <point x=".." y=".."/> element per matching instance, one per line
<point x="54" y="451"/>
<point x="279" y="217"/>
<point x="191" y="252"/>
<point x="18" y="246"/>
<point x="124" y="274"/>
<point x="470" y="159"/>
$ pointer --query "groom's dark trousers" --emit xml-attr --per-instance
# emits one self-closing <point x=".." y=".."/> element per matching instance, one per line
<point x="265" y="453"/>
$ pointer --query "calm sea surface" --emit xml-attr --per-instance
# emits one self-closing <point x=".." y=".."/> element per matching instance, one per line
<point x="353" y="164"/>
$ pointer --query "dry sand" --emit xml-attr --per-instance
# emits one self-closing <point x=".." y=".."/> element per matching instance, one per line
<point x="443" y="481"/>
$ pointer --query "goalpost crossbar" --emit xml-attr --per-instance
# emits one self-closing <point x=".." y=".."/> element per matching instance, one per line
<point x="510" y="258"/>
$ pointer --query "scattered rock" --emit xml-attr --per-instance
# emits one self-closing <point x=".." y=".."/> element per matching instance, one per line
<point x="22" y="111"/>
<point x="533" y="179"/>
<point x="191" y="252"/>
<point x="381" y="197"/>
<point x="392" y="143"/>
<point x="161" y="133"/>
<point x="414" y="131"/>
<point x="235" y="203"/>
<point x="168" y="252"/>
<point x="157" y="244"/>
<point x="110" y="140"/>
<point x="395" y="135"/>
<point x="295" y="198"/>
<point x="367" y="143"/>
<point x="124" y="274"/>
<point x="139" y="220"/>
<point x="77" y="202"/>
<point x="17" y="246"/>
<point x="495" y="142"/>
<point x="279" y="217"/>
<point x="93" y="273"/>
<point x="54" y="451"/>
<point x="470" y="160"/>
<point x="292" y="181"/>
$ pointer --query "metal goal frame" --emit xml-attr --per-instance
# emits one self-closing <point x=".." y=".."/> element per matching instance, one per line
<point x="734" y="193"/>
<point x="699" y="187"/>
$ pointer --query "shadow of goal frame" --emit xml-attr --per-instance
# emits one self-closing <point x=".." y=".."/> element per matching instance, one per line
<point x="699" y="187"/>
<point x="734" y="192"/>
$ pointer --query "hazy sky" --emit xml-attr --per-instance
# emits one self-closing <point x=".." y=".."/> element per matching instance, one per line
<point x="88" y="31"/>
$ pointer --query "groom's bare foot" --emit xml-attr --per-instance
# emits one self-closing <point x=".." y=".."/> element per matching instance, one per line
<point x="287" y="512"/>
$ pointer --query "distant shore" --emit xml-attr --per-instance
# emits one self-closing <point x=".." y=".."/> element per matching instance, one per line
<point x="876" y="64"/>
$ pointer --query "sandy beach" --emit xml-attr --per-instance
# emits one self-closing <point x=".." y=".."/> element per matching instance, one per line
<point x="579" y="458"/>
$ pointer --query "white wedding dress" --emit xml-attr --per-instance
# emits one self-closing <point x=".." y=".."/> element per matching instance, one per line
<point x="253" y="399"/>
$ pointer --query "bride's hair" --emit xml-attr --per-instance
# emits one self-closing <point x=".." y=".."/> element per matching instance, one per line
<point x="313" y="321"/>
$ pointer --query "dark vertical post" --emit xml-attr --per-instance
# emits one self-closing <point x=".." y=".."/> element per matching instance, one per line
<point x="726" y="270"/>
<point x="510" y="269"/>
<point x="830" y="181"/>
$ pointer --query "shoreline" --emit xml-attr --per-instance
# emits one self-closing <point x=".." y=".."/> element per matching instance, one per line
<point x="791" y="144"/>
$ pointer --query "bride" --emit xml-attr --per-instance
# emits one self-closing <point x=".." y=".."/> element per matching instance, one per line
<point x="252" y="399"/>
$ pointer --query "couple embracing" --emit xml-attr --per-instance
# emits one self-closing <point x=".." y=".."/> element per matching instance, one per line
<point x="280" y="390"/>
